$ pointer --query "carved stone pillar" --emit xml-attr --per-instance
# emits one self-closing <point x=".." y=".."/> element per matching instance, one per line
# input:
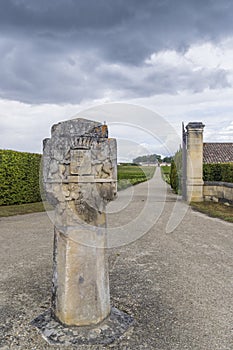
<point x="79" y="174"/>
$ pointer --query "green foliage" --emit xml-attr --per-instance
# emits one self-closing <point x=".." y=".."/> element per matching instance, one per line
<point x="174" y="180"/>
<point x="19" y="177"/>
<point x="178" y="161"/>
<point x="176" y="172"/>
<point x="167" y="159"/>
<point x="218" y="172"/>
<point x="128" y="175"/>
<point x="166" y="173"/>
<point x="149" y="158"/>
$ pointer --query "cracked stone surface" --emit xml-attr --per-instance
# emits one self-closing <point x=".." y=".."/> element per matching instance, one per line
<point x="112" y="328"/>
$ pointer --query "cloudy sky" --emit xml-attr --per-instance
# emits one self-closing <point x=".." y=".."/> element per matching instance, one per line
<point x="60" y="57"/>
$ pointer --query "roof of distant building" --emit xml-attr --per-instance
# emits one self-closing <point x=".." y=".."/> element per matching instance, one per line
<point x="217" y="152"/>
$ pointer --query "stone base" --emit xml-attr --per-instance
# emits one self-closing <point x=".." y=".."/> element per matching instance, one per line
<point x="104" y="333"/>
<point x="195" y="193"/>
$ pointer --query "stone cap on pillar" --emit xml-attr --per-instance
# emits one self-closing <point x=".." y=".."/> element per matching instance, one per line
<point x="195" y="126"/>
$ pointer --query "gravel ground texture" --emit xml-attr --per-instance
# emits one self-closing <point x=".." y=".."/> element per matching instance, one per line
<point x="177" y="282"/>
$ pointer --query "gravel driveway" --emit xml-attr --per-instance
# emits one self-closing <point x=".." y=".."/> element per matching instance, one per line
<point x="177" y="285"/>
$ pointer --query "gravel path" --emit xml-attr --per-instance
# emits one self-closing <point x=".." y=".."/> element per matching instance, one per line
<point x="178" y="284"/>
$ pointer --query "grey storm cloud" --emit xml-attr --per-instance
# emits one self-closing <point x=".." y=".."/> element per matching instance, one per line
<point x="60" y="51"/>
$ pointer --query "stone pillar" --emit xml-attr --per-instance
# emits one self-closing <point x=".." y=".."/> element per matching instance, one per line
<point x="194" y="189"/>
<point x="79" y="174"/>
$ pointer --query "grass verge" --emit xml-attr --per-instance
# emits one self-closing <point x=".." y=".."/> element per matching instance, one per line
<point x="128" y="175"/>
<point x="20" y="209"/>
<point x="215" y="210"/>
<point x="166" y="173"/>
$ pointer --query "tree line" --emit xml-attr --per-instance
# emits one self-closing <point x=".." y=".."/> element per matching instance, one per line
<point x="152" y="159"/>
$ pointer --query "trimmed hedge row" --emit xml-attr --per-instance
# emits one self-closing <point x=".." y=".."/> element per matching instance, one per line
<point x="218" y="172"/>
<point x="174" y="180"/>
<point x="19" y="177"/>
<point x="176" y="172"/>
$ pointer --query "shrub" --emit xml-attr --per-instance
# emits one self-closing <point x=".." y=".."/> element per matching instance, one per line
<point x="174" y="180"/>
<point x="176" y="172"/>
<point x="218" y="172"/>
<point x="19" y="177"/>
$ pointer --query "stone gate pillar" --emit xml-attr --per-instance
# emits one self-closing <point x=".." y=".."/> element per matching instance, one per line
<point x="194" y="179"/>
<point x="79" y="174"/>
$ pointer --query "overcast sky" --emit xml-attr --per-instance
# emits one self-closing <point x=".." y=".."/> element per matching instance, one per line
<point x="59" y="57"/>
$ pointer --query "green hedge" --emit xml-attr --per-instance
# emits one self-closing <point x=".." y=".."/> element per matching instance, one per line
<point x="218" y="172"/>
<point x="176" y="172"/>
<point x="174" y="179"/>
<point x="19" y="177"/>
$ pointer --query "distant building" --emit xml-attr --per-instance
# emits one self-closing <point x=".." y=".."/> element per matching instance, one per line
<point x="165" y="164"/>
<point x="147" y="164"/>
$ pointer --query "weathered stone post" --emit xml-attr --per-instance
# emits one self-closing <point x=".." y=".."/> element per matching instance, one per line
<point x="194" y="162"/>
<point x="80" y="173"/>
